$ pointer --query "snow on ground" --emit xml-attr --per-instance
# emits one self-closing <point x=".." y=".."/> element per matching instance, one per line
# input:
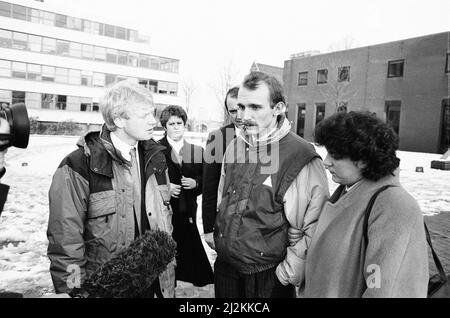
<point x="23" y="223"/>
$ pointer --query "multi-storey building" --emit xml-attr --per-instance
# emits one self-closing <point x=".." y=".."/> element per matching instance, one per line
<point x="405" y="83"/>
<point x="59" y="64"/>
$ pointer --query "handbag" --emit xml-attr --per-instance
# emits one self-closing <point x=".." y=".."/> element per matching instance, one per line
<point x="438" y="284"/>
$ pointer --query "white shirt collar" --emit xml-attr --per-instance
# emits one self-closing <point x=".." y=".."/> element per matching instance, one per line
<point x="176" y="145"/>
<point x="122" y="146"/>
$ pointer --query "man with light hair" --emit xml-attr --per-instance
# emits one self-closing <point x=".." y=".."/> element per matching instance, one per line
<point x="109" y="191"/>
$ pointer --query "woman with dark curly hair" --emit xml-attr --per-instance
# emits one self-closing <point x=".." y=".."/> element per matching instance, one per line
<point x="383" y="254"/>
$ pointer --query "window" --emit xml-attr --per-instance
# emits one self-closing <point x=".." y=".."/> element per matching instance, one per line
<point x="99" y="53"/>
<point x="144" y="60"/>
<point x="97" y="28"/>
<point x="121" y="33"/>
<point x="99" y="79"/>
<point x="173" y="88"/>
<point x="87" y="26"/>
<point x="344" y="74"/>
<point x="48" y="73"/>
<point x="35" y="15"/>
<point x="132" y="35"/>
<point x="5" y="68"/>
<point x="48" y="101"/>
<point x="85" y="107"/>
<point x="19" y="12"/>
<point x="392" y="108"/>
<point x="88" y="52"/>
<point x="5" y="9"/>
<point x="75" y="49"/>
<point x="320" y="112"/>
<point x="163" y="87"/>
<point x="48" y="18"/>
<point x="34" y="72"/>
<point x="322" y="76"/>
<point x="19" y="70"/>
<point x="18" y="97"/>
<point x="133" y="59"/>
<point x="20" y="41"/>
<point x="154" y="63"/>
<point x="302" y="78"/>
<point x="444" y="144"/>
<point x="109" y="30"/>
<point x="35" y="43"/>
<point x="61" y="102"/>
<point x="110" y="79"/>
<point x="62" y="47"/>
<point x="62" y="75"/>
<point x="86" y="78"/>
<point x="111" y="55"/>
<point x="122" y="57"/>
<point x="95" y="107"/>
<point x="301" y="115"/>
<point x="49" y="45"/>
<point x="61" y="20"/>
<point x="75" y="77"/>
<point x="5" y="38"/>
<point x="395" y="68"/>
<point x="447" y="64"/>
<point x="74" y="23"/>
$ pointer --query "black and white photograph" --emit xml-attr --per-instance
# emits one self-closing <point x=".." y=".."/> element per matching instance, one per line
<point x="224" y="151"/>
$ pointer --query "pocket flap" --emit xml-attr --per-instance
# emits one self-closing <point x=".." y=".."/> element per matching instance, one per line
<point x="102" y="203"/>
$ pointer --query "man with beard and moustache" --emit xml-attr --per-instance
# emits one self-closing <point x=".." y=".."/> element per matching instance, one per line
<point x="216" y="145"/>
<point x="259" y="203"/>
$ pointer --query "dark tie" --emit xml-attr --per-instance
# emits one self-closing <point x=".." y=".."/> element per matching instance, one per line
<point x="136" y="187"/>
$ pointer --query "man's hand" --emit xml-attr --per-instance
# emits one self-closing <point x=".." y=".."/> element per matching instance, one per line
<point x="188" y="183"/>
<point x="209" y="239"/>
<point x="294" y="235"/>
<point x="175" y="190"/>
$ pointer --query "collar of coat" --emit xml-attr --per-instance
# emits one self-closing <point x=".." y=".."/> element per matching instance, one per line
<point x="100" y="151"/>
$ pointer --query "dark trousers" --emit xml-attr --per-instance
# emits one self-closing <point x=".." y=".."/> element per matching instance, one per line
<point x="229" y="283"/>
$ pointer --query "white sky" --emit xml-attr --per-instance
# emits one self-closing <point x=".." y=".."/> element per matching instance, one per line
<point x="206" y="35"/>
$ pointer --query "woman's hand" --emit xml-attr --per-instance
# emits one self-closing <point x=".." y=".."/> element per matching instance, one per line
<point x="188" y="183"/>
<point x="175" y="190"/>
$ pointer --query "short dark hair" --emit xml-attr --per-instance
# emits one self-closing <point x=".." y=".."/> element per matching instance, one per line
<point x="361" y="136"/>
<point x="170" y="111"/>
<point x="233" y="93"/>
<point x="253" y="80"/>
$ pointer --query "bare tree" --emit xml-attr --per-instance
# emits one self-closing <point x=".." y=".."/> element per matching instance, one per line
<point x="188" y="87"/>
<point x="224" y="82"/>
<point x="339" y="89"/>
<point x="345" y="43"/>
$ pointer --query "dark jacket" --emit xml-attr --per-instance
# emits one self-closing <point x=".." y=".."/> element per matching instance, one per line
<point x="250" y="232"/>
<point x="216" y="145"/>
<point x="91" y="208"/>
<point x="192" y="262"/>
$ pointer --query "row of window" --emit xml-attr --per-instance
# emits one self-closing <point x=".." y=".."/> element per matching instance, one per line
<point x="53" y="101"/>
<point x="395" y="69"/>
<point x="63" y="21"/>
<point x="46" y="73"/>
<point x="40" y="44"/>
<point x="322" y="76"/>
<point x="48" y="101"/>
